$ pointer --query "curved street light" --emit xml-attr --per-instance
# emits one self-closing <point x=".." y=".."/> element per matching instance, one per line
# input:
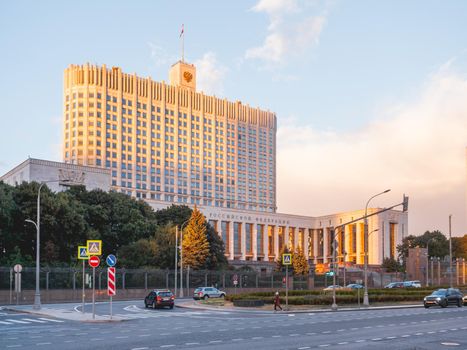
<point x="366" y="301"/>
<point x="37" y="224"/>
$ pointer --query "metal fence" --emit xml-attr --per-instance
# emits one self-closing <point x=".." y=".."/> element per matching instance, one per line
<point x="68" y="282"/>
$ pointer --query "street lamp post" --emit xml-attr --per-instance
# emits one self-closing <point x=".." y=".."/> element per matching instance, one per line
<point x="365" y="295"/>
<point x="450" y="253"/>
<point x="37" y="224"/>
<point x="181" y="258"/>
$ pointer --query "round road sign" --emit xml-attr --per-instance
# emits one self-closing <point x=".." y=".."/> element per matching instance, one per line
<point x="17" y="268"/>
<point x="94" y="261"/>
<point x="111" y="260"/>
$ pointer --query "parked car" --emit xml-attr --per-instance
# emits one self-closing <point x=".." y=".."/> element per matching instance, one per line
<point x="160" y="298"/>
<point x="207" y="292"/>
<point x="354" y="286"/>
<point x="465" y="300"/>
<point x="443" y="298"/>
<point x="395" y="285"/>
<point x="331" y="287"/>
<point x="412" y="284"/>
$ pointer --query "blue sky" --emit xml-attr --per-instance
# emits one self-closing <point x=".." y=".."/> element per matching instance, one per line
<point x="368" y="94"/>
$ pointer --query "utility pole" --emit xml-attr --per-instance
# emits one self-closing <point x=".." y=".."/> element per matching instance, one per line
<point x="450" y="253"/>
<point x="176" y="258"/>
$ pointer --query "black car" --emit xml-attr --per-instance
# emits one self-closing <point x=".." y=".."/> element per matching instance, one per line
<point x="160" y="298"/>
<point x="443" y="298"/>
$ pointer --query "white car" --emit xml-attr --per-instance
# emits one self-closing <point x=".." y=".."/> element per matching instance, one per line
<point x="331" y="287"/>
<point x="207" y="292"/>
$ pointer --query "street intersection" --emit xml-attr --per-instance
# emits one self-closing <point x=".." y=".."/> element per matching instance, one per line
<point x="188" y="328"/>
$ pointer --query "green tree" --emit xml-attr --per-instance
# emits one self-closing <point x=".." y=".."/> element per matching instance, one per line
<point x="175" y="214"/>
<point x="142" y="253"/>
<point x="195" y="244"/>
<point x="299" y="263"/>
<point x="278" y="263"/>
<point x="459" y="247"/>
<point x="392" y="265"/>
<point x="216" y="258"/>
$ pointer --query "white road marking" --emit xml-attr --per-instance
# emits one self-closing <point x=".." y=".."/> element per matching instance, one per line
<point x="139" y="348"/>
<point x="167" y="346"/>
<point x="144" y="335"/>
<point x="237" y="339"/>
<point x="343" y="343"/>
<point x="304" y="347"/>
<point x="3" y="322"/>
<point x="30" y="319"/>
<point x="43" y="343"/>
<point x="13" y="346"/>
<point x="50" y="320"/>
<point x="191" y="343"/>
<point x="215" y="341"/>
<point x="16" y="321"/>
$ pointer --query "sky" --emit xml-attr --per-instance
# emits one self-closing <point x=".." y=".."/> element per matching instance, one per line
<point x="369" y="95"/>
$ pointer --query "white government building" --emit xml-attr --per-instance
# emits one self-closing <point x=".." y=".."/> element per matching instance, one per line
<point x="171" y="144"/>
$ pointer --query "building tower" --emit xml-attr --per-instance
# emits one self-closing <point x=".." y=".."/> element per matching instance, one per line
<point x="169" y="143"/>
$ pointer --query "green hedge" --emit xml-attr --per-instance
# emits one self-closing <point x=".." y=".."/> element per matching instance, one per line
<point x="315" y="297"/>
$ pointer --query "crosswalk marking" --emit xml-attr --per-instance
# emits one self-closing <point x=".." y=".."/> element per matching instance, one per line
<point x="31" y="320"/>
<point x="16" y="321"/>
<point x="3" y="322"/>
<point x="50" y="320"/>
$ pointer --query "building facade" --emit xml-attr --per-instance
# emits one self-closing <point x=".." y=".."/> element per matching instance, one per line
<point x="58" y="175"/>
<point x="168" y="142"/>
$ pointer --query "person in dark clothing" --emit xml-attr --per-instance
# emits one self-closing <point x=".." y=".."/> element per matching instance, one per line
<point x="277" y="302"/>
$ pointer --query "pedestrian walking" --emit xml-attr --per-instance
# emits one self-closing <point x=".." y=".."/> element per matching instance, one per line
<point x="277" y="302"/>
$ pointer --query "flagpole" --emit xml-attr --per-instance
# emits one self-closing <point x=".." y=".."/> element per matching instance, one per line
<point x="183" y="43"/>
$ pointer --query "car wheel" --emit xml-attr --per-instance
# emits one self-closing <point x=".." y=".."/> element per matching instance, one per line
<point x="222" y="296"/>
<point x="145" y="305"/>
<point x="444" y="304"/>
<point x="153" y="304"/>
<point x="171" y="307"/>
<point x="206" y="297"/>
<point x="426" y="306"/>
<point x="459" y="303"/>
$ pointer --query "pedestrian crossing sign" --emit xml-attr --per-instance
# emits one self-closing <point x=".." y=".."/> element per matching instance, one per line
<point x="82" y="253"/>
<point x="94" y="247"/>
<point x="287" y="259"/>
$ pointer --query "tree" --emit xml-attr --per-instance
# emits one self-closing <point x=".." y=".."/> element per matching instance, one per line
<point x="459" y="247"/>
<point x="391" y="265"/>
<point x="279" y="267"/>
<point x="195" y="244"/>
<point x="299" y="263"/>
<point x="216" y="258"/>
<point x="138" y="254"/>
<point x="176" y="214"/>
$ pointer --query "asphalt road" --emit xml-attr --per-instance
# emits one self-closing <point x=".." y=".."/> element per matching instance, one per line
<point x="418" y="328"/>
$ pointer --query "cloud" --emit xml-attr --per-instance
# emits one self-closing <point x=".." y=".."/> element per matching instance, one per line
<point x="210" y="74"/>
<point x="291" y="30"/>
<point x="417" y="148"/>
<point x="160" y="56"/>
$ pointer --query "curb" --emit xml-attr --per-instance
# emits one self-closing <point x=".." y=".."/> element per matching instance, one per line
<point x="390" y="307"/>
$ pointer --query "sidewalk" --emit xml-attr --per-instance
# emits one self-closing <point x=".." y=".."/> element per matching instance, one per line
<point x="60" y="313"/>
<point x="193" y="304"/>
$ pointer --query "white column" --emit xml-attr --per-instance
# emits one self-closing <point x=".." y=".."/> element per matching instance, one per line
<point x="266" y="242"/>
<point x="360" y="241"/>
<point x="315" y="246"/>
<point x="306" y="235"/>
<point x="325" y="244"/>
<point x="347" y="242"/>
<point x="242" y="229"/>
<point x="231" y="240"/>
<point x="254" y="245"/>
<point x="296" y="234"/>
<point x="276" y="242"/>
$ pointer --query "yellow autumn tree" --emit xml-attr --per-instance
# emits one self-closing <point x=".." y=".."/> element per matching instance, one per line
<point x="299" y="263"/>
<point x="195" y="244"/>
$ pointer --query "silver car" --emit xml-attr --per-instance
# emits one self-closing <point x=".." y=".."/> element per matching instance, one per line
<point x="207" y="292"/>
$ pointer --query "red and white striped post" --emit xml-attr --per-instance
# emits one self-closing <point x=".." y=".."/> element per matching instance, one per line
<point x="111" y="290"/>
